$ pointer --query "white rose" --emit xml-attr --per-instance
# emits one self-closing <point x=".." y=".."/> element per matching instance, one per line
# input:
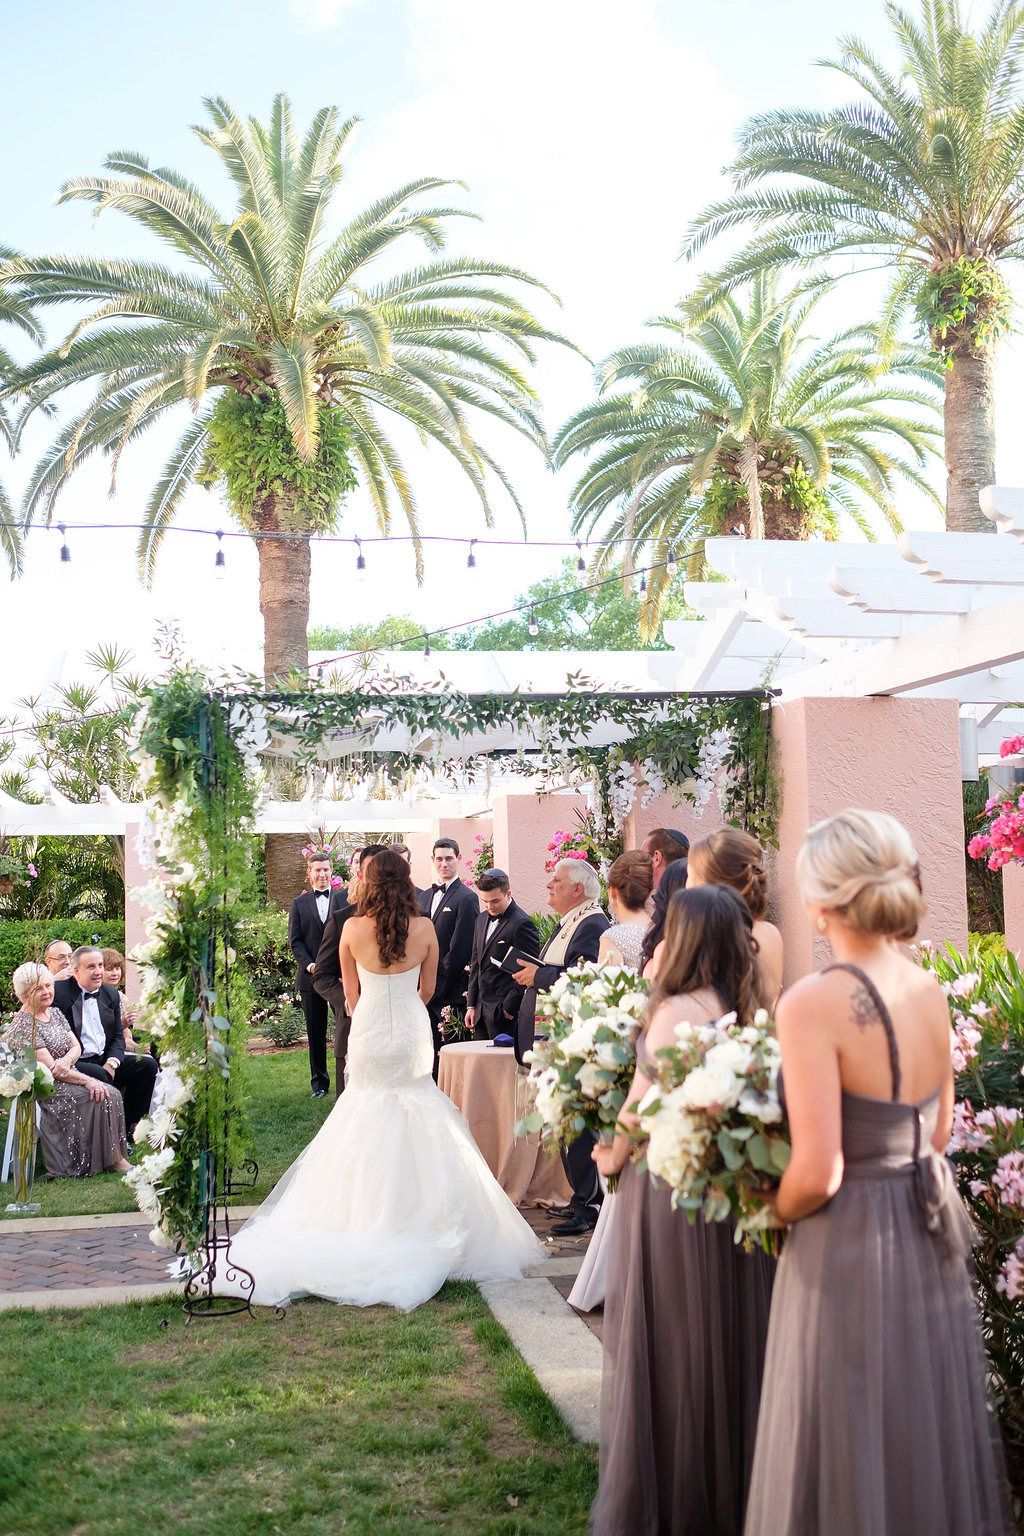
<point x="604" y="1055"/>
<point x="160" y="1239"/>
<point x="763" y="1107"/>
<point x="580" y="1041"/>
<point x="633" y="1003"/>
<point x="710" y="1086"/>
<point x="731" y="1056"/>
<point x="592" y="1081"/>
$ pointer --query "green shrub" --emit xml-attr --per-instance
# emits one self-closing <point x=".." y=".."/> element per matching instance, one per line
<point x="268" y="967"/>
<point x="283" y="1028"/>
<point x="545" y="924"/>
<point x="986" y="1000"/>
<point x="986" y="946"/>
<point x="22" y="940"/>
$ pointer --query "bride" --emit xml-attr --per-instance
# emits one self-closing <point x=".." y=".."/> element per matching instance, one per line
<point x="391" y="1197"/>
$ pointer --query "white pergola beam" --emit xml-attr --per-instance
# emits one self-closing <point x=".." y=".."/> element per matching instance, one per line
<point x="879" y="592"/>
<point x="1004" y="506"/>
<point x="971" y="558"/>
<point x="970" y="642"/>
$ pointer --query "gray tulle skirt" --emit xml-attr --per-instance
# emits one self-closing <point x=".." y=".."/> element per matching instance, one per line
<point x="874" y="1419"/>
<point x="686" y="1320"/>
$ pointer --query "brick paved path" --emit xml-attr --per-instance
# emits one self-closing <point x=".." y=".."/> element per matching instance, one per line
<point x="63" y="1260"/>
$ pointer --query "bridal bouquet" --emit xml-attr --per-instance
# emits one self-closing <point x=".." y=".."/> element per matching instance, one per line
<point x="716" y="1132"/>
<point x="20" y="1073"/>
<point x="580" y="1075"/>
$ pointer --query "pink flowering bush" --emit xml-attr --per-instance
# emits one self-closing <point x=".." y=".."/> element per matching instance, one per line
<point x="581" y="842"/>
<point x="1003" y="843"/>
<point x="481" y="859"/>
<point x="985" y="992"/>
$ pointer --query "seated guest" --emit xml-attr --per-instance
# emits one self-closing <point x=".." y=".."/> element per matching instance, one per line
<point x="630" y="880"/>
<point x="81" y="1125"/>
<point x="94" y="1012"/>
<point x="57" y="959"/>
<point x="113" y="976"/>
<point x="574" y="892"/>
<point x="501" y="924"/>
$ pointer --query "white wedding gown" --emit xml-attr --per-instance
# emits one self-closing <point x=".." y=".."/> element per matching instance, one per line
<point x="391" y="1197"/>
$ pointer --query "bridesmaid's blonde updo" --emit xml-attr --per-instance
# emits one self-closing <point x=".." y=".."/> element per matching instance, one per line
<point x="862" y="866"/>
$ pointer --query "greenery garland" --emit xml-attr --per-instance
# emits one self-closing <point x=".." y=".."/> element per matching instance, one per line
<point x="202" y="793"/>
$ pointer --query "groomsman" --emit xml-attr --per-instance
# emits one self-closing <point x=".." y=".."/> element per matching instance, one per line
<point x="665" y="847"/>
<point x="327" y="972"/>
<point x="94" y="1012"/>
<point x="453" y="909"/>
<point x="306" y="922"/>
<point x="502" y="924"/>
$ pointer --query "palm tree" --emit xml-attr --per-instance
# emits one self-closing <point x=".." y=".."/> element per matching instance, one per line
<point x="747" y="417"/>
<point x="278" y="347"/>
<point x="926" y="177"/>
<point x="15" y="310"/>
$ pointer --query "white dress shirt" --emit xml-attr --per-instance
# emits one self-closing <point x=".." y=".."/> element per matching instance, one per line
<point x="439" y="897"/>
<point x="94" y="1036"/>
<point x="491" y="927"/>
<point x="323" y="902"/>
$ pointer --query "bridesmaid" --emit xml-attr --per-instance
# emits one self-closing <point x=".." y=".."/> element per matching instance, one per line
<point x="686" y="1314"/>
<point x="874" y="1420"/>
<point x="732" y="857"/>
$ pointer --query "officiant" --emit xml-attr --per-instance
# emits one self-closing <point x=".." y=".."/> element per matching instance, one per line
<point x="574" y="893"/>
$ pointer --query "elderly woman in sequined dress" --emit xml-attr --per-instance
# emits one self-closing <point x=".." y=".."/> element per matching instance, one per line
<point x="81" y="1127"/>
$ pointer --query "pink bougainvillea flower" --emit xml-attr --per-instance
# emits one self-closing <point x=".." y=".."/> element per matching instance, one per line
<point x="1012" y="747"/>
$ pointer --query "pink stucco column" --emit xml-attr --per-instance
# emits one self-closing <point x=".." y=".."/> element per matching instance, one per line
<point x="524" y="824"/>
<point x="1013" y="906"/>
<point x="464" y="829"/>
<point x="886" y="754"/>
<point x="135" y="913"/>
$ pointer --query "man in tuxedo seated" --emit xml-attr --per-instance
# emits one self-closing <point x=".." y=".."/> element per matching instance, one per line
<point x="94" y="1012"/>
<point x="327" y="967"/>
<point x="574" y="892"/>
<point x="501" y="925"/>
<point x="306" y="921"/>
<point x="453" y="909"/>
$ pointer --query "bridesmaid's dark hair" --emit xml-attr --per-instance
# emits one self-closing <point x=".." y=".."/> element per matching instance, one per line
<point x="386" y="896"/>
<point x="709" y="942"/>
<point x="673" y="878"/>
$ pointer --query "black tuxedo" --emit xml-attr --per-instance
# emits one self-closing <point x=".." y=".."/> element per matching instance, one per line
<point x="327" y="981"/>
<point x="585" y="944"/>
<point x="489" y="986"/>
<point x="305" y="932"/>
<point x="454" y="922"/>
<point x="135" y="1075"/>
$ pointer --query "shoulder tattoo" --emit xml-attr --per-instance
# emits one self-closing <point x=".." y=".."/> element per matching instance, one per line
<point x="862" y="1008"/>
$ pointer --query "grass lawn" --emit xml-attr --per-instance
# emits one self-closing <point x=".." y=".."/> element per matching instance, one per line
<point x="120" y="1420"/>
<point x="283" y="1117"/>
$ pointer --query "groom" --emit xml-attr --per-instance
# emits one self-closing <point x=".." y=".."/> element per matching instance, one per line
<point x="574" y="892"/>
<point x="306" y="922"/>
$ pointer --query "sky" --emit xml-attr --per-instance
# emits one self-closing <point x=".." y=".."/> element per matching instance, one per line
<point x="588" y="134"/>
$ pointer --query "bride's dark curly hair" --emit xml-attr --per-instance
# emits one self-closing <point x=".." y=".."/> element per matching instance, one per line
<point x="386" y="895"/>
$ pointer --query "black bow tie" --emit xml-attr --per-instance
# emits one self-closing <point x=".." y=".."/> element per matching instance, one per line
<point x="322" y="895"/>
<point x="436" y="888"/>
<point x="91" y="994"/>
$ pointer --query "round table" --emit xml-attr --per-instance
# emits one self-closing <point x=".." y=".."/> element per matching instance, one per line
<point x="486" y="1084"/>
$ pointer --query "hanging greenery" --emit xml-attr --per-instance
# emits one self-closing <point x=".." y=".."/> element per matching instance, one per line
<point x="192" y="756"/>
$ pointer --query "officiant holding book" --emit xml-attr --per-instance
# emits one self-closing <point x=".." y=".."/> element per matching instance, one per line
<point x="502" y="928"/>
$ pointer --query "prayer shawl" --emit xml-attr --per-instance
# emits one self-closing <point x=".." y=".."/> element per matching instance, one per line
<point x="554" y="950"/>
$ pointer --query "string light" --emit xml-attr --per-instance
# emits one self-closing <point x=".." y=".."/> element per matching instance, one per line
<point x="471" y="558"/>
<point x="426" y="649"/>
<point x="581" y="564"/>
<point x="218" y="561"/>
<point x="643" y="586"/>
<point x="671" y="564"/>
<point x="65" y="553"/>
<point x="360" y="557"/>
<point x="533" y="627"/>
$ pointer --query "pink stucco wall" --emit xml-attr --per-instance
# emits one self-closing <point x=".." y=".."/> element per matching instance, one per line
<point x="135" y="913"/>
<point x="887" y="754"/>
<point x="465" y="831"/>
<point x="1013" y="904"/>
<point x="660" y="812"/>
<point x="523" y="826"/>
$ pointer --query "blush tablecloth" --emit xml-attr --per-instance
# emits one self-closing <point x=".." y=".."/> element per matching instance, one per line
<point x="484" y="1082"/>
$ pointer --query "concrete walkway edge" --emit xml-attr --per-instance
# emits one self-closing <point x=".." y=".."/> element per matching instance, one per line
<point x="556" y="1344"/>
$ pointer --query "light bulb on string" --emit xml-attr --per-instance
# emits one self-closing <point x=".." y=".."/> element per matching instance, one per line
<point x="643" y="586"/>
<point x="671" y="564"/>
<point x="360" y="561"/>
<point x="471" y="558"/>
<point x="426" y="650"/>
<point x="581" y="564"/>
<point x="65" y="553"/>
<point x="218" y="560"/>
<point x="533" y="628"/>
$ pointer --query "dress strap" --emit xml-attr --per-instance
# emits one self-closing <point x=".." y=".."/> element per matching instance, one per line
<point x="883" y="1014"/>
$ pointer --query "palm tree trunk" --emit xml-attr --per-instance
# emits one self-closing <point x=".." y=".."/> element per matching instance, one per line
<point x="970" y="441"/>
<point x="752" y="486"/>
<point x="284" y="603"/>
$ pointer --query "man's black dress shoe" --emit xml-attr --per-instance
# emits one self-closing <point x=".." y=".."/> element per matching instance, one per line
<point x="319" y="1093"/>
<point x="574" y="1227"/>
